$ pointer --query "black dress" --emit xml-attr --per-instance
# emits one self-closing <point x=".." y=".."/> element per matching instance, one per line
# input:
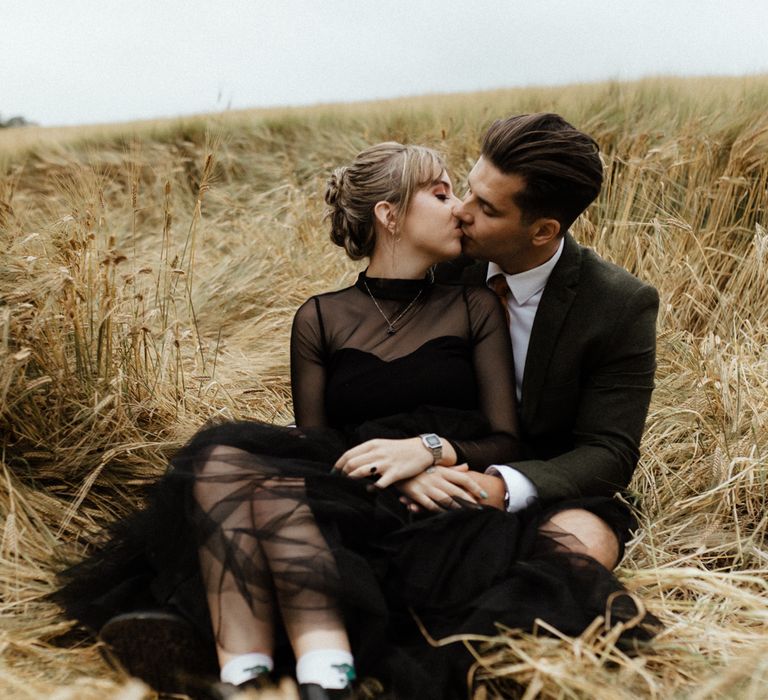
<point x="447" y="369"/>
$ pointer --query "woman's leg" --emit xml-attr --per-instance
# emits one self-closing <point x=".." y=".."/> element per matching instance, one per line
<point x="232" y="562"/>
<point x="260" y="544"/>
<point x="298" y="559"/>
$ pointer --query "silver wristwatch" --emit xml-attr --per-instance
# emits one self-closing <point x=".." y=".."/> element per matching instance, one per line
<point x="434" y="444"/>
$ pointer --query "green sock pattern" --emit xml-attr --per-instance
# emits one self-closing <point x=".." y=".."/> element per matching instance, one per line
<point x="346" y="670"/>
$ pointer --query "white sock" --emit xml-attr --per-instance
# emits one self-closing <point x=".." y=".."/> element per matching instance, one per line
<point x="244" y="667"/>
<point x="329" y="668"/>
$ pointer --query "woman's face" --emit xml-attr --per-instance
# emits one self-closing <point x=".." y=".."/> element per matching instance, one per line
<point x="429" y="228"/>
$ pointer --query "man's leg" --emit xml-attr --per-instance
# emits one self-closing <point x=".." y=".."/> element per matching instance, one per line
<point x="589" y="535"/>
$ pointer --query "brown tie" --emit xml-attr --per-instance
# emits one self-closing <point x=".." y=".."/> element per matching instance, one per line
<point x="498" y="283"/>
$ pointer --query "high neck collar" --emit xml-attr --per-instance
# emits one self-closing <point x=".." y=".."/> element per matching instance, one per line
<point x="397" y="289"/>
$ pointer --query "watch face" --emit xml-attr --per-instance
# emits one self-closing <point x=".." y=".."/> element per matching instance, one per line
<point x="433" y="440"/>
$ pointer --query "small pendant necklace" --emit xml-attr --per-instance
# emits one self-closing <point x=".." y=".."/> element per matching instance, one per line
<point x="391" y="329"/>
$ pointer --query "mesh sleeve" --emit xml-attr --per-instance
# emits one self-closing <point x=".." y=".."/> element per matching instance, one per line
<point x="308" y="366"/>
<point x="494" y="369"/>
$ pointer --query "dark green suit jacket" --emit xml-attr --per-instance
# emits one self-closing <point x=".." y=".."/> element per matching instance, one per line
<point x="588" y="374"/>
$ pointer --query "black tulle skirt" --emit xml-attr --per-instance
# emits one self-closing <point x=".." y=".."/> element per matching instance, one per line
<point x="397" y="577"/>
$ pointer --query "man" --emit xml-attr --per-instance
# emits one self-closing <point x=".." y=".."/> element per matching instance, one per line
<point x="582" y="329"/>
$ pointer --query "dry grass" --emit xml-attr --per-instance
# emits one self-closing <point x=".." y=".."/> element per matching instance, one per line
<point x="149" y="275"/>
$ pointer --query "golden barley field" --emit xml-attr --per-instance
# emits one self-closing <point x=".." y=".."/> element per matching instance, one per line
<point x="149" y="273"/>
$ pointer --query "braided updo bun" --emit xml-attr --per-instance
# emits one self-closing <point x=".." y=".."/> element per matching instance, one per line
<point x="387" y="172"/>
<point x="344" y="233"/>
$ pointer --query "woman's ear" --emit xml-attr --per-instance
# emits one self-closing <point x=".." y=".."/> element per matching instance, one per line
<point x="386" y="215"/>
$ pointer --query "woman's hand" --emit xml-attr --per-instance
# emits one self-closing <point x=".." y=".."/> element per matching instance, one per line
<point x="441" y="488"/>
<point x="390" y="460"/>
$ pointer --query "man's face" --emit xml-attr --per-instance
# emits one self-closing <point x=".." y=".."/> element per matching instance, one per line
<point x="491" y="221"/>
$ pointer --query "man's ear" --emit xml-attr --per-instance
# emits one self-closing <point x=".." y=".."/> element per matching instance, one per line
<point x="545" y="231"/>
<point x="386" y="215"/>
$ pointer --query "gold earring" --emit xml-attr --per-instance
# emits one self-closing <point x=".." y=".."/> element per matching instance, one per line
<point x="395" y="239"/>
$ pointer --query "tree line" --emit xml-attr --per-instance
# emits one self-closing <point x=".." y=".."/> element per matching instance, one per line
<point x="14" y="121"/>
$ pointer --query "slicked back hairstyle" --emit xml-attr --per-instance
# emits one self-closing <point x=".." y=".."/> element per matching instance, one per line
<point x="560" y="164"/>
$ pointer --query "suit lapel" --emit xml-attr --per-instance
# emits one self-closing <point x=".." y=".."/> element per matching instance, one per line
<point x="555" y="302"/>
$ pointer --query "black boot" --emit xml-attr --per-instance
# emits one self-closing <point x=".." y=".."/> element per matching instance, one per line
<point x="361" y="689"/>
<point x="162" y="649"/>
<point x="225" y="691"/>
<point x="313" y="691"/>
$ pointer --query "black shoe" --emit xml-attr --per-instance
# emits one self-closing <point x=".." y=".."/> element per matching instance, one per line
<point x="162" y="649"/>
<point x="225" y="691"/>
<point x="366" y="689"/>
<point x="313" y="691"/>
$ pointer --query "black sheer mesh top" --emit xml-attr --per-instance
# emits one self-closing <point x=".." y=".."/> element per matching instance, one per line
<point x="389" y="346"/>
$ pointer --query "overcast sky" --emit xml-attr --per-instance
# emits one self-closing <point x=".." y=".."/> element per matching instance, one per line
<point x="83" y="61"/>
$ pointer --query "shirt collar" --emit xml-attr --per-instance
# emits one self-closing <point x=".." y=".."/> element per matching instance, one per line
<point x="524" y="285"/>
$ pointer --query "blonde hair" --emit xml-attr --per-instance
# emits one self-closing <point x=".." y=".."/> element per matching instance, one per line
<point x="387" y="172"/>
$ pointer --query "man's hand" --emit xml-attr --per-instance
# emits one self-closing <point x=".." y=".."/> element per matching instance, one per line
<point x="486" y="489"/>
<point x="440" y="488"/>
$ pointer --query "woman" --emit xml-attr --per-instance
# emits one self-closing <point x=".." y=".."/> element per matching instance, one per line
<point x="312" y="532"/>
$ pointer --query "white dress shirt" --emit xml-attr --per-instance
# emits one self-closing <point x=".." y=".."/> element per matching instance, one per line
<point x="526" y="289"/>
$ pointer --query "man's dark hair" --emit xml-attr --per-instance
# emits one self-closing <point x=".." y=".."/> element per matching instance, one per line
<point x="560" y="164"/>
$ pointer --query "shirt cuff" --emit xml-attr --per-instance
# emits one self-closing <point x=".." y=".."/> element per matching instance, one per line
<point x="520" y="489"/>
